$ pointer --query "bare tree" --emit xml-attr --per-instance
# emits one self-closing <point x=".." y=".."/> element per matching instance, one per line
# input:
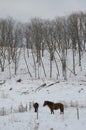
<point x="30" y="42"/>
<point x="37" y="39"/>
<point x="73" y="36"/>
<point x="3" y="43"/>
<point x="84" y="31"/>
<point x="62" y="40"/>
<point x="75" y="26"/>
<point x="17" y="45"/>
<point x="9" y="41"/>
<point x="50" y="41"/>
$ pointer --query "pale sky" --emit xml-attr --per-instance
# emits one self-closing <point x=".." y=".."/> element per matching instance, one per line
<point x="23" y="10"/>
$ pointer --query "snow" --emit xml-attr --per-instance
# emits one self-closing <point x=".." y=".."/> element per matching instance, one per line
<point x="71" y="93"/>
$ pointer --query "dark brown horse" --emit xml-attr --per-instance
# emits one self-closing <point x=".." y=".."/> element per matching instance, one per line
<point x="36" y="105"/>
<point x="54" y="106"/>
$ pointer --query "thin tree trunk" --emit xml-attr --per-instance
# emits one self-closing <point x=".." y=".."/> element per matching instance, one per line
<point x="34" y="63"/>
<point x="50" y="68"/>
<point x="43" y="68"/>
<point x="27" y="65"/>
<point x="56" y="66"/>
<point x="74" y="61"/>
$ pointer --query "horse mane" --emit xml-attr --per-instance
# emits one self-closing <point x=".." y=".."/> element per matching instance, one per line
<point x="49" y="102"/>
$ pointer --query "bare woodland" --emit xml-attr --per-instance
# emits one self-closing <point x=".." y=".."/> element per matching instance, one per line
<point x="55" y="36"/>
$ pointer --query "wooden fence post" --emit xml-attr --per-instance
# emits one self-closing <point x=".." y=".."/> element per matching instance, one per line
<point x="78" y="113"/>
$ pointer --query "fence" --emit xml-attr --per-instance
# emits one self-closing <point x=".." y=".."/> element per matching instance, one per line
<point x="21" y="108"/>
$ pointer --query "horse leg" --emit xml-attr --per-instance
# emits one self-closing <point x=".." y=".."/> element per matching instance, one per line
<point x="36" y="109"/>
<point x="61" y="111"/>
<point x="52" y="112"/>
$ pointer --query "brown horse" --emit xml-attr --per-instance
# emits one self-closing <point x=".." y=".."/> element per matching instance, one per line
<point x="36" y="105"/>
<point x="54" y="106"/>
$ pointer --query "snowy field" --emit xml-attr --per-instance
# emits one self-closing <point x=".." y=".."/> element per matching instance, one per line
<point x="71" y="93"/>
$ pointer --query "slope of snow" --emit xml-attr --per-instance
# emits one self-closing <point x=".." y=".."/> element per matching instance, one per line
<point x="71" y="93"/>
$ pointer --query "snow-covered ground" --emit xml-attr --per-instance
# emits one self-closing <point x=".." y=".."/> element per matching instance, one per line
<point x="71" y="93"/>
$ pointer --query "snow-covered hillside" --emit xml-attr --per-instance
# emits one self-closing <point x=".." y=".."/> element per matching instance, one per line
<point x="71" y="93"/>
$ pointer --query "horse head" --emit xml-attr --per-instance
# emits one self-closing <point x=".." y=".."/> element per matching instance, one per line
<point x="45" y="103"/>
<point x="36" y="105"/>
